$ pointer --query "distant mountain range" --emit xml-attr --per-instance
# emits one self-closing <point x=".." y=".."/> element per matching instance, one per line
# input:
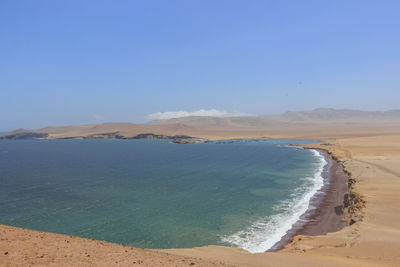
<point x="304" y="124"/>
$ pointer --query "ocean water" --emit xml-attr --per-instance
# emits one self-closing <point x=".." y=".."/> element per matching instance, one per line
<point x="156" y="194"/>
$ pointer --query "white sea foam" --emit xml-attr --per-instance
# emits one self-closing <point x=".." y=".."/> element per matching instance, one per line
<point x="263" y="234"/>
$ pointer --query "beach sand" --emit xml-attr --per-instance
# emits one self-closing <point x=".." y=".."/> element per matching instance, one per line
<point x="372" y="240"/>
<point x="324" y="214"/>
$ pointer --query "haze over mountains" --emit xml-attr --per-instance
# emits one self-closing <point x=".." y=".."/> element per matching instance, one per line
<point x="304" y="124"/>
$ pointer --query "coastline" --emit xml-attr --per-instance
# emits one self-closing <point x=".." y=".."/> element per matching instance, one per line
<point x="323" y="214"/>
<point x="373" y="240"/>
<point x="304" y="209"/>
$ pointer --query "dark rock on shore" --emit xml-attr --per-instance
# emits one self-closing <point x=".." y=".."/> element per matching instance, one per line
<point x="25" y="135"/>
<point x="158" y="136"/>
<point x="21" y="134"/>
<point x="151" y="136"/>
<point x="104" y="136"/>
<point x="183" y="141"/>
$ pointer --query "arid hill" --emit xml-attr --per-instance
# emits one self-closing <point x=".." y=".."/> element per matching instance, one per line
<point x="288" y="125"/>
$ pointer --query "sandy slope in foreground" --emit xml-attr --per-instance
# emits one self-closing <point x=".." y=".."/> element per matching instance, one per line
<point x="375" y="241"/>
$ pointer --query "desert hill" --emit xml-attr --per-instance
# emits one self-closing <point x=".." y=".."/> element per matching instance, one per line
<point x="318" y="122"/>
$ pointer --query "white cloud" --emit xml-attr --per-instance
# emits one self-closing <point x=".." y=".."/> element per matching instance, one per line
<point x="200" y="112"/>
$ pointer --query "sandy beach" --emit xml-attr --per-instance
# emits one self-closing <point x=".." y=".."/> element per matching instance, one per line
<point x="373" y="238"/>
<point x="325" y="212"/>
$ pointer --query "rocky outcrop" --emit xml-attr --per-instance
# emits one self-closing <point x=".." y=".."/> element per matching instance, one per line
<point x="184" y="141"/>
<point x="159" y="136"/>
<point x="151" y="136"/>
<point x="105" y="136"/>
<point x="25" y="135"/>
<point x="353" y="203"/>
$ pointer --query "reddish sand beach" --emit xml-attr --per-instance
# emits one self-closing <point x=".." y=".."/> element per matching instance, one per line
<point x="326" y="214"/>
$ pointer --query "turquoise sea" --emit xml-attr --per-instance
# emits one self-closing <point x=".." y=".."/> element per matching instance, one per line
<point x="157" y="194"/>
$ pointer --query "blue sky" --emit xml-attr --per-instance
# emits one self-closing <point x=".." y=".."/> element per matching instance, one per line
<point x="75" y="62"/>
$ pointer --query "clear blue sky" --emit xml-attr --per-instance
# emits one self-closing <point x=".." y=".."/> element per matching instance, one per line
<point x="73" y="62"/>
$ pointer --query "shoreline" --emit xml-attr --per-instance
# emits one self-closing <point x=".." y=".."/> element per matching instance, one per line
<point x="324" y="214"/>
<point x="372" y="240"/>
<point x="309" y="222"/>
